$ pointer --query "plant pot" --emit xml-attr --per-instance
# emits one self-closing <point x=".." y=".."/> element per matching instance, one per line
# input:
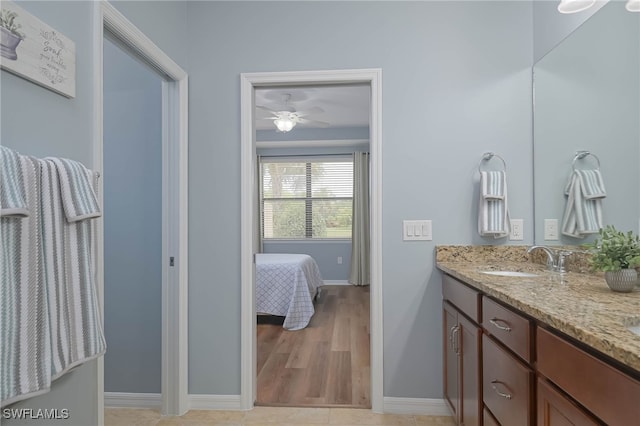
<point x="622" y="281"/>
<point x="8" y="44"/>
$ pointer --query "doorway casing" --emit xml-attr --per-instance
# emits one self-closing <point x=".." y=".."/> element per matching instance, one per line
<point x="250" y="213"/>
<point x="174" y="382"/>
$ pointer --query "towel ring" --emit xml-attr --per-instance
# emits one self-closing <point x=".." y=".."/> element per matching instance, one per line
<point x="581" y="155"/>
<point x="487" y="156"/>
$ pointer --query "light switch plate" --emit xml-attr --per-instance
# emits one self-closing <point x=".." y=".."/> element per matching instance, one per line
<point x="417" y="230"/>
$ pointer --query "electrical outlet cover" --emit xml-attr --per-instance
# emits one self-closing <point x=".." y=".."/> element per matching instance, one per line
<point x="517" y="230"/>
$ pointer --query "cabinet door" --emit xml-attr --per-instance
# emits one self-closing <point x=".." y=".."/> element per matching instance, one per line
<point x="450" y="358"/>
<point x="554" y="409"/>
<point x="471" y="395"/>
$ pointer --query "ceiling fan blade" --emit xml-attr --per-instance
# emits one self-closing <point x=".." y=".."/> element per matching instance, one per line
<point x="313" y="122"/>
<point x="264" y="108"/>
<point x="312" y="110"/>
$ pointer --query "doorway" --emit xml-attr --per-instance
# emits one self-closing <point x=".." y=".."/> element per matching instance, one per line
<point x="250" y="214"/>
<point x="132" y="174"/>
<point x="173" y="398"/>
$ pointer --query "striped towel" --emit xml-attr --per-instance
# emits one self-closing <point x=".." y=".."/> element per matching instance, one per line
<point x="583" y="211"/>
<point x="25" y="348"/>
<point x="12" y="190"/>
<point x="78" y="197"/>
<point x="493" y="213"/>
<point x="76" y="328"/>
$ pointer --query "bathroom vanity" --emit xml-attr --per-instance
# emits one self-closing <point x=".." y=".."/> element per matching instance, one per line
<point x="536" y="349"/>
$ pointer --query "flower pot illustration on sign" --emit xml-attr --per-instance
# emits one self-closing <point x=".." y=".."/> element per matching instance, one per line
<point x="10" y="34"/>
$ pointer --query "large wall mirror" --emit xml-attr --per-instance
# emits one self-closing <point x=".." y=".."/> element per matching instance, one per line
<point x="587" y="98"/>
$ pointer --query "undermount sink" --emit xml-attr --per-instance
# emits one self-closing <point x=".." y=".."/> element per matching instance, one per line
<point x="633" y="325"/>
<point x="634" y="329"/>
<point x="510" y="274"/>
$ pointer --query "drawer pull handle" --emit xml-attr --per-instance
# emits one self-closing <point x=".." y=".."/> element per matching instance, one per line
<point x="494" y="322"/>
<point x="495" y="388"/>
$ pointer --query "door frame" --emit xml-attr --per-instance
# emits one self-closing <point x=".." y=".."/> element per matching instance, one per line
<point x="174" y="382"/>
<point x="250" y="214"/>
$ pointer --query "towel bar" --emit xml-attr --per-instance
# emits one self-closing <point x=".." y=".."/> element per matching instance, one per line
<point x="581" y="155"/>
<point x="487" y="156"/>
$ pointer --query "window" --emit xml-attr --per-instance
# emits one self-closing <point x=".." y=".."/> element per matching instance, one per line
<point x="306" y="197"/>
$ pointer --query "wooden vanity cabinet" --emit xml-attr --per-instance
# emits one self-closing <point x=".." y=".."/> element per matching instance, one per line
<point x="461" y="342"/>
<point x="605" y="391"/>
<point x="502" y="367"/>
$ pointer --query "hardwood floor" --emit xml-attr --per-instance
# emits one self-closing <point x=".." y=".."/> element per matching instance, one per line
<point x="326" y="364"/>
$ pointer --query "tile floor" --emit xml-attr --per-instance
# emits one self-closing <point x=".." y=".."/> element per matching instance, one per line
<point x="269" y="416"/>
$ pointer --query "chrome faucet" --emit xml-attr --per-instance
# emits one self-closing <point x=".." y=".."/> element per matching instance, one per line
<point x="555" y="258"/>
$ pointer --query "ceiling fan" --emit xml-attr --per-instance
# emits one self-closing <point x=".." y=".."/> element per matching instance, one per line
<point x="287" y="117"/>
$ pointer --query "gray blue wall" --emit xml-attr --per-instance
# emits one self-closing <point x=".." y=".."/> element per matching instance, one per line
<point x="456" y="83"/>
<point x="132" y="224"/>
<point x="39" y="122"/>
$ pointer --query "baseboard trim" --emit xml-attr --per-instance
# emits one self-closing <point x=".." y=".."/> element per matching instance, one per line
<point x="336" y="282"/>
<point x="132" y="400"/>
<point x="215" y="402"/>
<point x="416" y="406"/>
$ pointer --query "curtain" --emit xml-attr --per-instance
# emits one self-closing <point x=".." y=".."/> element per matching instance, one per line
<point x="258" y="240"/>
<point x="360" y="230"/>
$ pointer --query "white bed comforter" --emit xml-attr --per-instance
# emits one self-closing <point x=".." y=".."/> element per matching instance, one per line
<point x="286" y="285"/>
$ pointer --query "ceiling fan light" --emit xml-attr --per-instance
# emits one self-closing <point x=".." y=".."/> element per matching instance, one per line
<point x="574" y="6"/>
<point x="284" y="124"/>
<point x="633" y="6"/>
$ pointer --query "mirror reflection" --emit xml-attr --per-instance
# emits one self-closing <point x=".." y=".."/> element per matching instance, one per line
<point x="587" y="126"/>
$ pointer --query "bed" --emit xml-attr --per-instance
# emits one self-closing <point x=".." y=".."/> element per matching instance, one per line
<point x="286" y="285"/>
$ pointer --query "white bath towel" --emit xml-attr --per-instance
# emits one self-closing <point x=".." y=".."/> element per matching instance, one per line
<point x="583" y="212"/>
<point x="12" y="190"/>
<point x="76" y="327"/>
<point x="493" y="212"/>
<point x="25" y="348"/>
<point x="76" y="186"/>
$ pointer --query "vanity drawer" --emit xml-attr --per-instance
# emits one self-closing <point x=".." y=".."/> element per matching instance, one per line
<point x="508" y="327"/>
<point x="506" y="385"/>
<point x="465" y="298"/>
<point x="609" y="394"/>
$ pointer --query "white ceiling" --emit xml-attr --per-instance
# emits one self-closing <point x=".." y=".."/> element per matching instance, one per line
<point x="343" y="105"/>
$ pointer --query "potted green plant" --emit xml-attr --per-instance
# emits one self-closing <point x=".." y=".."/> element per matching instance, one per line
<point x="617" y="254"/>
<point x="10" y="34"/>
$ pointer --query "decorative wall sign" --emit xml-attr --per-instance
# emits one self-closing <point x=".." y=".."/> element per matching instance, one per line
<point x="35" y="51"/>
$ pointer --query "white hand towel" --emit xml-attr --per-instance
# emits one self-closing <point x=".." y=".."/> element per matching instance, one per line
<point x="493" y="212"/>
<point x="583" y="212"/>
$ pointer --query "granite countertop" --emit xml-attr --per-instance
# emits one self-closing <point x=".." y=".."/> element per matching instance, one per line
<point x="580" y="305"/>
